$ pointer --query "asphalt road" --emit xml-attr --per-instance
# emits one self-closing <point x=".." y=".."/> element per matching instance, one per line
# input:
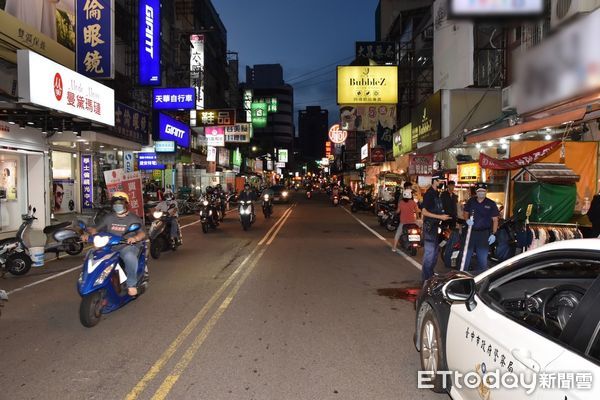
<point x="300" y="307"/>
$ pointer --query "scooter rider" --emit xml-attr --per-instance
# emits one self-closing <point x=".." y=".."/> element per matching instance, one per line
<point x="482" y="215"/>
<point x="407" y="209"/>
<point x="248" y="195"/>
<point x="433" y="213"/>
<point x="169" y="206"/>
<point x="117" y="223"/>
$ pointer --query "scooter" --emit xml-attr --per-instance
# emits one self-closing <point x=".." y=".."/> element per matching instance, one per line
<point x="209" y="216"/>
<point x="335" y="199"/>
<point x="361" y="203"/>
<point x="59" y="237"/>
<point x="267" y="206"/>
<point x="385" y="213"/>
<point x="246" y="214"/>
<point x="14" y="257"/>
<point x="410" y="240"/>
<point x="3" y="299"/>
<point x="160" y="234"/>
<point x="308" y="194"/>
<point x="101" y="283"/>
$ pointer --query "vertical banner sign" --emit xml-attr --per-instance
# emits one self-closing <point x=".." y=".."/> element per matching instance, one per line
<point x="128" y="161"/>
<point x="95" y="38"/>
<point x="87" y="181"/>
<point x="131" y="183"/>
<point x="149" y="42"/>
<point x="196" y="73"/>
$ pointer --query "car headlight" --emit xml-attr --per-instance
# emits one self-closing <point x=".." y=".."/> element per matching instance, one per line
<point x="284" y="194"/>
<point x="103" y="275"/>
<point x="157" y="214"/>
<point x="101" y="241"/>
<point x="205" y="203"/>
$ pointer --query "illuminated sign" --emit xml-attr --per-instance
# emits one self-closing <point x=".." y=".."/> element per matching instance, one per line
<point x="282" y="155"/>
<point x="470" y="172"/>
<point x="87" y="181"/>
<point x="337" y="135"/>
<point x="364" y="152"/>
<point x="367" y="85"/>
<point x="171" y="129"/>
<point x="216" y="117"/>
<point x="164" y="146"/>
<point x="327" y="149"/>
<point x="238" y="133"/>
<point x="211" y="154"/>
<point x="196" y="73"/>
<point x="259" y="114"/>
<point x="147" y="161"/>
<point x="215" y="136"/>
<point x="494" y="8"/>
<point x="149" y="42"/>
<point x="173" y="98"/>
<point x="95" y="38"/>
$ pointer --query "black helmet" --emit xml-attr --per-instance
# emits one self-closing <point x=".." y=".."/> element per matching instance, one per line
<point x="209" y="189"/>
<point x="169" y="196"/>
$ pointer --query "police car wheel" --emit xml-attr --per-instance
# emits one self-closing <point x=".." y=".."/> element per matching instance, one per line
<point x="431" y="350"/>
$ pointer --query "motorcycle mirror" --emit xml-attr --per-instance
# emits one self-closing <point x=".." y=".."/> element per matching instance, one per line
<point x="133" y="227"/>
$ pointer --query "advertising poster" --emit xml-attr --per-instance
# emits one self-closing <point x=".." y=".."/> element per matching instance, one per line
<point x="379" y="120"/>
<point x="8" y="179"/>
<point x="63" y="196"/>
<point x="367" y="85"/>
<point x="118" y="180"/>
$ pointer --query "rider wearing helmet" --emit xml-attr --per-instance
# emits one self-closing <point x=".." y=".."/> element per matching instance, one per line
<point x="117" y="223"/>
<point x="169" y="206"/>
<point x="407" y="209"/>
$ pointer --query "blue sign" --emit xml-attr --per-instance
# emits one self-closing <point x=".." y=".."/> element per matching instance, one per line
<point x="95" y="38"/>
<point x="87" y="181"/>
<point x="164" y="146"/>
<point x="174" y="99"/>
<point x="147" y="161"/>
<point x="149" y="42"/>
<point x="170" y="129"/>
<point x="131" y="124"/>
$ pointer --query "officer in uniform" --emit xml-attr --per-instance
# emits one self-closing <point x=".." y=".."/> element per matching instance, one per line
<point x="433" y="213"/>
<point x="482" y="216"/>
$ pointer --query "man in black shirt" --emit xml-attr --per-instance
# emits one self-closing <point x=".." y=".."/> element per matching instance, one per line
<point x="450" y="200"/>
<point x="594" y="215"/>
<point x="433" y="213"/>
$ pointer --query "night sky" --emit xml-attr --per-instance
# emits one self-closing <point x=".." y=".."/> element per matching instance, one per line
<point x="308" y="38"/>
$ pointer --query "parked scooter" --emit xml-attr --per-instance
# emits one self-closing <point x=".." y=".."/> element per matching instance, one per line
<point x="160" y="234"/>
<point x="410" y="240"/>
<point x="209" y="216"/>
<point x="246" y="214"/>
<point x="267" y="205"/>
<point x="386" y="213"/>
<point x="14" y="257"/>
<point x="361" y="203"/>
<point x="101" y="283"/>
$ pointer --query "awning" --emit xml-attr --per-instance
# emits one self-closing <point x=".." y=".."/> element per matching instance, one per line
<point x="573" y="115"/>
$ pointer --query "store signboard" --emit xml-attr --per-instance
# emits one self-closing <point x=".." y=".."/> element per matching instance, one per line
<point x="258" y="111"/>
<point x="211" y="154"/>
<point x="131" y="124"/>
<point x="470" y="172"/>
<point x="406" y="144"/>
<point x="378" y="155"/>
<point x="380" y="52"/>
<point x="46" y="83"/>
<point x="131" y="183"/>
<point x="196" y="74"/>
<point x="426" y="120"/>
<point x="223" y="159"/>
<point x="367" y="85"/>
<point x="324" y="161"/>
<point x="258" y="166"/>
<point x="164" y="146"/>
<point x="280" y="165"/>
<point x="87" y="181"/>
<point x="337" y="135"/>
<point x="420" y="165"/>
<point x="173" y="98"/>
<point x="148" y="161"/>
<point x="364" y="152"/>
<point x="269" y="165"/>
<point x="492" y="9"/>
<point x="215" y="136"/>
<point x="95" y="35"/>
<point x="221" y="117"/>
<point x="149" y="42"/>
<point x="328" y="149"/>
<point x="170" y="129"/>
<point x="238" y="133"/>
<point x="248" y="104"/>
<point x="282" y="155"/>
<point x="128" y="160"/>
<point x="397" y="144"/>
<point x="236" y="158"/>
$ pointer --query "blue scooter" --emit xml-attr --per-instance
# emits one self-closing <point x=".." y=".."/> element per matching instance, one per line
<point x="101" y="283"/>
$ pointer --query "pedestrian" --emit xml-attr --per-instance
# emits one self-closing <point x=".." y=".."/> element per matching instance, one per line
<point x="407" y="210"/>
<point x="482" y="216"/>
<point x="594" y="215"/>
<point x="433" y="214"/>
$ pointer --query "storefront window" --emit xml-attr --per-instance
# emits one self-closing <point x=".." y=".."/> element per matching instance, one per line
<point x="64" y="194"/>
<point x="13" y="190"/>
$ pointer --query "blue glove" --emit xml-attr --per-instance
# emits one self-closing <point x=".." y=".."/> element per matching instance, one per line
<point x="470" y="221"/>
<point x="492" y="239"/>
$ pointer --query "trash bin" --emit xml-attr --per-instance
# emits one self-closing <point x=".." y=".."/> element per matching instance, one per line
<point x="37" y="256"/>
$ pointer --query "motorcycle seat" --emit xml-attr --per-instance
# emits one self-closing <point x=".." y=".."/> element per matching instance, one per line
<point x="53" y="228"/>
<point x="8" y="240"/>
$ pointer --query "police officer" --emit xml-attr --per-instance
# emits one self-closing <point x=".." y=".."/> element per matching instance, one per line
<point x="482" y="216"/>
<point x="433" y="213"/>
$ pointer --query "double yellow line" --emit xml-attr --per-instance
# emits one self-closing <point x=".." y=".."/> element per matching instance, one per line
<point x="187" y="357"/>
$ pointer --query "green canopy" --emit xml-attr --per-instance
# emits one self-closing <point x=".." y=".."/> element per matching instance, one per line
<point x="552" y="203"/>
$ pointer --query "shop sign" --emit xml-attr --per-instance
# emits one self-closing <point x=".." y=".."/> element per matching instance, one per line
<point x="131" y="124"/>
<point x="48" y="84"/>
<point x="520" y="161"/>
<point x="87" y="181"/>
<point x="282" y="155"/>
<point x="337" y="135"/>
<point x="364" y="152"/>
<point x="164" y="146"/>
<point x="131" y="183"/>
<point x="248" y="104"/>
<point x="272" y="103"/>
<point x="148" y="161"/>
<point x="487" y="8"/>
<point x="258" y="166"/>
<point x="95" y="38"/>
<point x="397" y="144"/>
<point x="149" y="42"/>
<point x="378" y="155"/>
<point x="216" y="117"/>
<point x="236" y="158"/>
<point x="211" y="154"/>
<point x="367" y="85"/>
<point x="380" y="52"/>
<point x="171" y="129"/>
<point x="269" y="165"/>
<point x="196" y="75"/>
<point x="426" y="120"/>
<point x="406" y="145"/>
<point x="215" y="136"/>
<point x="173" y="98"/>
<point x="327" y="149"/>
<point x="224" y="157"/>
<point x="324" y="161"/>
<point x="359" y="165"/>
<point x="128" y="160"/>
<point x="564" y="66"/>
<point x="238" y="133"/>
<point x="280" y="165"/>
<point x="420" y="165"/>
<point x="258" y="112"/>
<point x="470" y="172"/>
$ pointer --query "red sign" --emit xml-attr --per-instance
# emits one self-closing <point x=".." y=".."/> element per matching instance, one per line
<point x="420" y="164"/>
<point x="327" y="149"/>
<point x="377" y="155"/>
<point x="130" y="183"/>
<point x="58" y="86"/>
<point x="337" y="135"/>
<point x="517" y="162"/>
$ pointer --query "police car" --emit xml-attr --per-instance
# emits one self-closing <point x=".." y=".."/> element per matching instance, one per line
<point x="527" y="328"/>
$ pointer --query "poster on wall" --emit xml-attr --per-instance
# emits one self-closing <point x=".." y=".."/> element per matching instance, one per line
<point x="63" y="196"/>
<point x="117" y="180"/>
<point x="8" y="179"/>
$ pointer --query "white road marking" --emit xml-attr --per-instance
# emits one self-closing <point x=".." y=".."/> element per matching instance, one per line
<point x="406" y="257"/>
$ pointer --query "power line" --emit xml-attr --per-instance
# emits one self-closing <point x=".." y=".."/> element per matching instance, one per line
<point x="313" y="83"/>
<point x="289" y="80"/>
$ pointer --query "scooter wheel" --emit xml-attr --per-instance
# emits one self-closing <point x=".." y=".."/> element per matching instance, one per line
<point x="90" y="309"/>
<point x="74" y="247"/>
<point x="18" y="264"/>
<point x="390" y="226"/>
<point x="156" y="247"/>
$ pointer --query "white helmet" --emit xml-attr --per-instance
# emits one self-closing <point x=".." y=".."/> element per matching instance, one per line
<point x="407" y="194"/>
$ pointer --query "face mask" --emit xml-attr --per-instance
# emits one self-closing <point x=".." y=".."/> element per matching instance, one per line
<point x="481" y="195"/>
<point x="118" y="208"/>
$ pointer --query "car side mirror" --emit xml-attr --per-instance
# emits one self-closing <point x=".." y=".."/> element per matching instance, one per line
<point x="133" y="227"/>
<point x="460" y="290"/>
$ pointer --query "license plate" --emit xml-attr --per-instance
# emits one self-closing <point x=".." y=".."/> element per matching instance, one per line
<point x="443" y="243"/>
<point x="455" y="254"/>
<point x="414" y="238"/>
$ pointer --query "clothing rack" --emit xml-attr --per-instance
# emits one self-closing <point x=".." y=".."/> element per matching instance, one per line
<point x="575" y="225"/>
<point x="547" y="227"/>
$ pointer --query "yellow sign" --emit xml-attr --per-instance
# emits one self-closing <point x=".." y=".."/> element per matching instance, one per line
<point x="367" y="85"/>
<point x="469" y="172"/>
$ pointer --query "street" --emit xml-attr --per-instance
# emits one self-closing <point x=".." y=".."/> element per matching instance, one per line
<point x="288" y="310"/>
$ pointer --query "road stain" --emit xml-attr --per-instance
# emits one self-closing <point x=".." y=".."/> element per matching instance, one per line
<point x="402" y="293"/>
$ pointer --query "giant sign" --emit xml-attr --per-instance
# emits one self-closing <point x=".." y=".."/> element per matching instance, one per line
<point x="149" y="42"/>
<point x="170" y="129"/>
<point x="367" y="85"/>
<point x="48" y="84"/>
<point x="95" y="38"/>
<point x="173" y="98"/>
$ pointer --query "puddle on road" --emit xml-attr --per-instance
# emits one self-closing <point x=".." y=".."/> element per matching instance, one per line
<point x="409" y="291"/>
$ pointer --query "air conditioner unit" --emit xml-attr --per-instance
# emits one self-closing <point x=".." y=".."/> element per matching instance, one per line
<point x="564" y="10"/>
<point x="508" y="99"/>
